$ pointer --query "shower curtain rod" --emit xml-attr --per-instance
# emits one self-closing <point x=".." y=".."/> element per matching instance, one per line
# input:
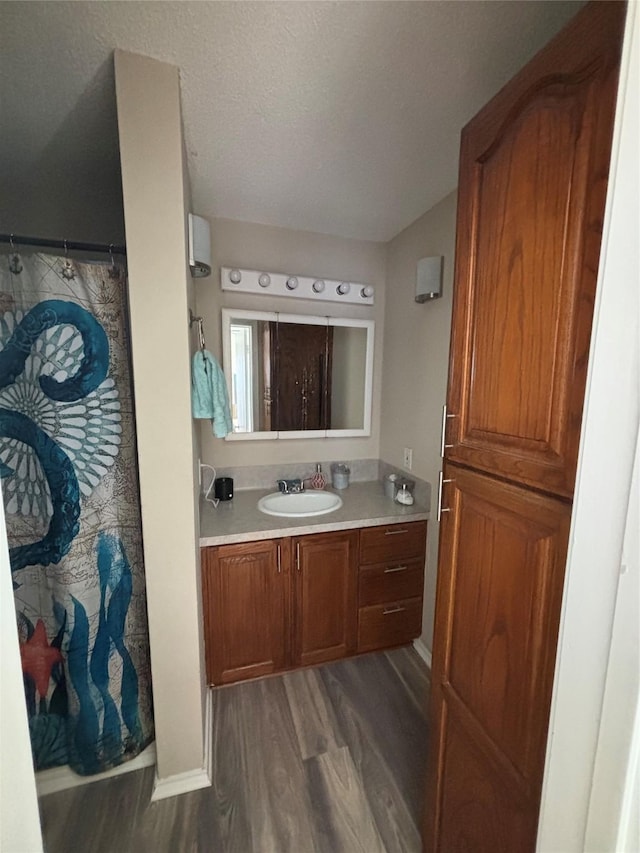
<point x="73" y="245"/>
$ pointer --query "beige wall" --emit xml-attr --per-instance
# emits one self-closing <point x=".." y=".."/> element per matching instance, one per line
<point x="416" y="358"/>
<point x="252" y="246"/>
<point x="155" y="197"/>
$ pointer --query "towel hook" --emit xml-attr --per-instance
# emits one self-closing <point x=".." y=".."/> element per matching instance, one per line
<point x="199" y="320"/>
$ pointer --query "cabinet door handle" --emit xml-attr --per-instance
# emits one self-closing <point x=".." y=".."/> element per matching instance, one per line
<point x="279" y="559"/>
<point x="440" y="509"/>
<point x="396" y="569"/>
<point x="298" y="556"/>
<point x="395" y="532"/>
<point x="443" y="431"/>
<point x="389" y="610"/>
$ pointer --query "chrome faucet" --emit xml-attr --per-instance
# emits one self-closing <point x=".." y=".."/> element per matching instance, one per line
<point x="290" y="487"/>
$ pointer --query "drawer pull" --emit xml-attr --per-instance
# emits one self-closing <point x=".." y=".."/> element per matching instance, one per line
<point x="389" y="610"/>
<point x="279" y="559"/>
<point x="395" y="532"/>
<point x="396" y="569"/>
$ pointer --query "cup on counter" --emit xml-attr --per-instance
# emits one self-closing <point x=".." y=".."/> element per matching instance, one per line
<point x="390" y="484"/>
<point x="223" y="488"/>
<point x="340" y="475"/>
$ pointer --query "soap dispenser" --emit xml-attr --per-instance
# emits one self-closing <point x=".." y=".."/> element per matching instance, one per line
<point x="318" y="481"/>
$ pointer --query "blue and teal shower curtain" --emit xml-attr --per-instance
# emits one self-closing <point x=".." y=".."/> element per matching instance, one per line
<point x="70" y="490"/>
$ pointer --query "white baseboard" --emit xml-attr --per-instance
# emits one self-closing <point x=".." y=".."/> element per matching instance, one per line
<point x="423" y="651"/>
<point x="191" y="780"/>
<point x="180" y="783"/>
<point x="61" y="778"/>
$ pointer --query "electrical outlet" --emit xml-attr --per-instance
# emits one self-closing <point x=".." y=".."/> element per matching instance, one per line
<point x="407" y="458"/>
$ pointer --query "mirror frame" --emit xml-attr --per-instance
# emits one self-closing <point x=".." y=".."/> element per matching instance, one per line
<point x="312" y="320"/>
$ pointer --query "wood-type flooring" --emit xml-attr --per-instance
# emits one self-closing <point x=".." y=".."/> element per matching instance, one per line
<point x="324" y="760"/>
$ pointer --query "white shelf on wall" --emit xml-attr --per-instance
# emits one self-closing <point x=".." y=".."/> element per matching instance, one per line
<point x="296" y="286"/>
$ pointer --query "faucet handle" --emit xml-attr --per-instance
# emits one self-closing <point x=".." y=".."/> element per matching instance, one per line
<point x="283" y="486"/>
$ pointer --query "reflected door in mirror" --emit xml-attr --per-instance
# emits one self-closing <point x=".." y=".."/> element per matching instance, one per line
<point x="301" y="360"/>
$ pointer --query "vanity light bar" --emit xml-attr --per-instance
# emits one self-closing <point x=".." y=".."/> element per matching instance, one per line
<point x="298" y="286"/>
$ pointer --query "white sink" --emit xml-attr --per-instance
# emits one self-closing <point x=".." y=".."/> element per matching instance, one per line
<point x="300" y="504"/>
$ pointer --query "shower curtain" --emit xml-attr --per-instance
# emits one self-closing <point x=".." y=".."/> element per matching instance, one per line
<point x="70" y="490"/>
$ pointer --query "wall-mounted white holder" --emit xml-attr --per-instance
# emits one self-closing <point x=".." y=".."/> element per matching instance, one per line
<point x="297" y="286"/>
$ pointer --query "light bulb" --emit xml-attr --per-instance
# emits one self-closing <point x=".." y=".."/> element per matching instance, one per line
<point x="343" y="288"/>
<point x="318" y="286"/>
<point x="264" y="280"/>
<point x="367" y="291"/>
<point x="292" y="283"/>
<point x="235" y="276"/>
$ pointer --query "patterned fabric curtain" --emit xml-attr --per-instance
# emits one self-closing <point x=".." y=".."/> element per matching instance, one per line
<point x="70" y="490"/>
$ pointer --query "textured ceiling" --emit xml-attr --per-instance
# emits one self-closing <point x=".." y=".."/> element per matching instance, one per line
<point x="341" y="118"/>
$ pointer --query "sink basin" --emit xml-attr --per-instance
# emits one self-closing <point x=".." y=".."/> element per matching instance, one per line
<point x="300" y="505"/>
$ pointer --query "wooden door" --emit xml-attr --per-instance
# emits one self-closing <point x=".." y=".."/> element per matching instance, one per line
<point x="301" y="376"/>
<point x="245" y="593"/>
<point x="533" y="179"/>
<point x="326" y="568"/>
<point x="501" y="569"/>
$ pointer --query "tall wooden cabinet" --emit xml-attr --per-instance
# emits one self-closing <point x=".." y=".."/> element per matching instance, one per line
<point x="533" y="179"/>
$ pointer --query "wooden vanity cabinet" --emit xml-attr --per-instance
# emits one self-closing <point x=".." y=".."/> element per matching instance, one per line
<point x="245" y="593"/>
<point x="282" y="603"/>
<point x="390" y="584"/>
<point x="325" y="584"/>
<point x="279" y="603"/>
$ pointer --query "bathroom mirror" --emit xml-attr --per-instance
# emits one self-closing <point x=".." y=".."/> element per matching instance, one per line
<point x="297" y="376"/>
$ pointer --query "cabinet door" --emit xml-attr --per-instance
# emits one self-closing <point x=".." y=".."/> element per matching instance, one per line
<point x="500" y="580"/>
<point x="244" y="589"/>
<point x="533" y="179"/>
<point x="325" y="596"/>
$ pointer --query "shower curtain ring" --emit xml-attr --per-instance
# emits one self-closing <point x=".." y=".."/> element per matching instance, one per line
<point x="66" y="250"/>
<point x="12" y="247"/>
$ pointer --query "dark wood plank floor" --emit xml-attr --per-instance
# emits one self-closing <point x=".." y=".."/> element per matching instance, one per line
<point x="324" y="760"/>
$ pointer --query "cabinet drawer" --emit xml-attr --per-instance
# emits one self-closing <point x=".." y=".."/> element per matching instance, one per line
<point x="383" y="625"/>
<point x="393" y="542"/>
<point x="390" y="582"/>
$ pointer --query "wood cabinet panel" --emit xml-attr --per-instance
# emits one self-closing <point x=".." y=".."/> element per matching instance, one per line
<point x="391" y="582"/>
<point x="390" y="624"/>
<point x="480" y="813"/>
<point x="533" y="178"/>
<point x="392" y="542"/>
<point x="325" y="596"/>
<point x="501" y="570"/>
<point x="245" y="593"/>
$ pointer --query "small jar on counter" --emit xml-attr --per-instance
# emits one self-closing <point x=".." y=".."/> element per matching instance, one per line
<point x="340" y="475"/>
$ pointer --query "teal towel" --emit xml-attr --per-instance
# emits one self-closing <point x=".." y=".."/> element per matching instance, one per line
<point x="209" y="395"/>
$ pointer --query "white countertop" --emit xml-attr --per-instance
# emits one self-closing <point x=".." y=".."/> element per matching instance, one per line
<point x="240" y="520"/>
